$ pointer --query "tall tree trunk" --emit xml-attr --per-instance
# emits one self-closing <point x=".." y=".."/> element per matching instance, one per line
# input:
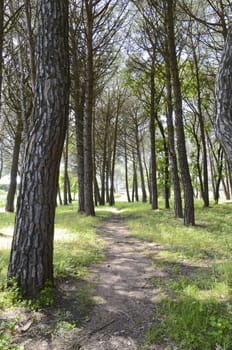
<point x="105" y="148"/>
<point x="126" y="170"/>
<point x="14" y="168"/>
<point x="178" y="210"/>
<point x="66" y="179"/>
<point x="205" y="187"/>
<point x="153" y="185"/>
<point x="135" y="192"/>
<point x="79" y="124"/>
<point x="78" y="98"/>
<point x="31" y="259"/>
<point x="143" y="187"/>
<point x="1" y="45"/>
<point x="189" y="217"/>
<point x="166" y="167"/>
<point x="111" y="198"/>
<point x="224" y="106"/>
<point x="30" y="38"/>
<point x="88" y="116"/>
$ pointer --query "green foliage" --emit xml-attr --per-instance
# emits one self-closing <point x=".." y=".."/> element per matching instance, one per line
<point x="45" y="298"/>
<point x="64" y="327"/>
<point x="193" y="324"/>
<point x="7" y="329"/>
<point x="10" y="296"/>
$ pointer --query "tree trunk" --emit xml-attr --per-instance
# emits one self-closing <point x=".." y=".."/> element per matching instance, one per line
<point x="126" y="170"/>
<point x="14" y="168"/>
<point x="189" y="217"/>
<point x="111" y="198"/>
<point x="166" y="167"/>
<point x="30" y="34"/>
<point x="88" y="116"/>
<point x="178" y="210"/>
<point x="205" y="183"/>
<point x="1" y="45"/>
<point x="31" y="260"/>
<point x="66" y="179"/>
<point x="135" y="193"/>
<point x="153" y="185"/>
<point x="224" y="106"/>
<point x="144" y="194"/>
<point x="105" y="148"/>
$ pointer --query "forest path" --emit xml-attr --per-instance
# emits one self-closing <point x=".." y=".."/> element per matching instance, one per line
<point x="125" y="298"/>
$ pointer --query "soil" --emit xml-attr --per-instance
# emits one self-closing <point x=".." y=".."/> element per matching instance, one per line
<point x="124" y="301"/>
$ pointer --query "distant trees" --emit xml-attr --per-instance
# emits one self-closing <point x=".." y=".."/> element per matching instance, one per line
<point x="157" y="125"/>
<point x="31" y="260"/>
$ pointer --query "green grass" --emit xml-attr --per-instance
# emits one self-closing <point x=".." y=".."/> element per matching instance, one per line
<point x="195" y="308"/>
<point x="76" y="245"/>
<point x="194" y="311"/>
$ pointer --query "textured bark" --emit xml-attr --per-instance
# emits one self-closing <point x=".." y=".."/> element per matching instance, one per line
<point x="104" y="157"/>
<point x="166" y="167"/>
<point x="31" y="260"/>
<point x="14" y="168"/>
<point x="189" y="217"/>
<point x="78" y="102"/>
<point x="171" y="145"/>
<point x="126" y="170"/>
<point x="1" y="44"/>
<point x="30" y="37"/>
<point x="224" y="102"/>
<point x="111" y="197"/>
<point x="88" y="117"/>
<point x="66" y="178"/>
<point x="153" y="184"/>
<point x="135" y="193"/>
<point x="205" y="181"/>
<point x="139" y="158"/>
<point x="79" y="123"/>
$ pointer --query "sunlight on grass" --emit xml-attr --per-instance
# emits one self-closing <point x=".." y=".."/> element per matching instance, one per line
<point x="76" y="244"/>
<point x="196" y="266"/>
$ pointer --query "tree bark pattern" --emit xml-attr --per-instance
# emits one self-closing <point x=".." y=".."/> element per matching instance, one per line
<point x="224" y="101"/>
<point x="189" y="217"/>
<point x="31" y="260"/>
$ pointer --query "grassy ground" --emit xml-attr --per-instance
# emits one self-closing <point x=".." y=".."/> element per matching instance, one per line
<point x="195" y="265"/>
<point x="76" y="247"/>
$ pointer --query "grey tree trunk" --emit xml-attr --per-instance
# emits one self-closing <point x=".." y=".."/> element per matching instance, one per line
<point x="224" y="105"/>
<point x="178" y="210"/>
<point x="153" y="185"/>
<point x="189" y="217"/>
<point x="1" y="44"/>
<point x="31" y="259"/>
<point x="88" y="116"/>
<point x="14" y="168"/>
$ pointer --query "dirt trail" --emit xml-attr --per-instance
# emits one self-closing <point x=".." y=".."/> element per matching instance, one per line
<point x="125" y="297"/>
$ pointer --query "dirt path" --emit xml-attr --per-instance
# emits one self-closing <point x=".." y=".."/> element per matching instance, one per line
<point x="125" y="298"/>
<point x="124" y="301"/>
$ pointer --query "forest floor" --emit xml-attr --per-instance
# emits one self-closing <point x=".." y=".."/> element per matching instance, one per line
<point x="117" y="301"/>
